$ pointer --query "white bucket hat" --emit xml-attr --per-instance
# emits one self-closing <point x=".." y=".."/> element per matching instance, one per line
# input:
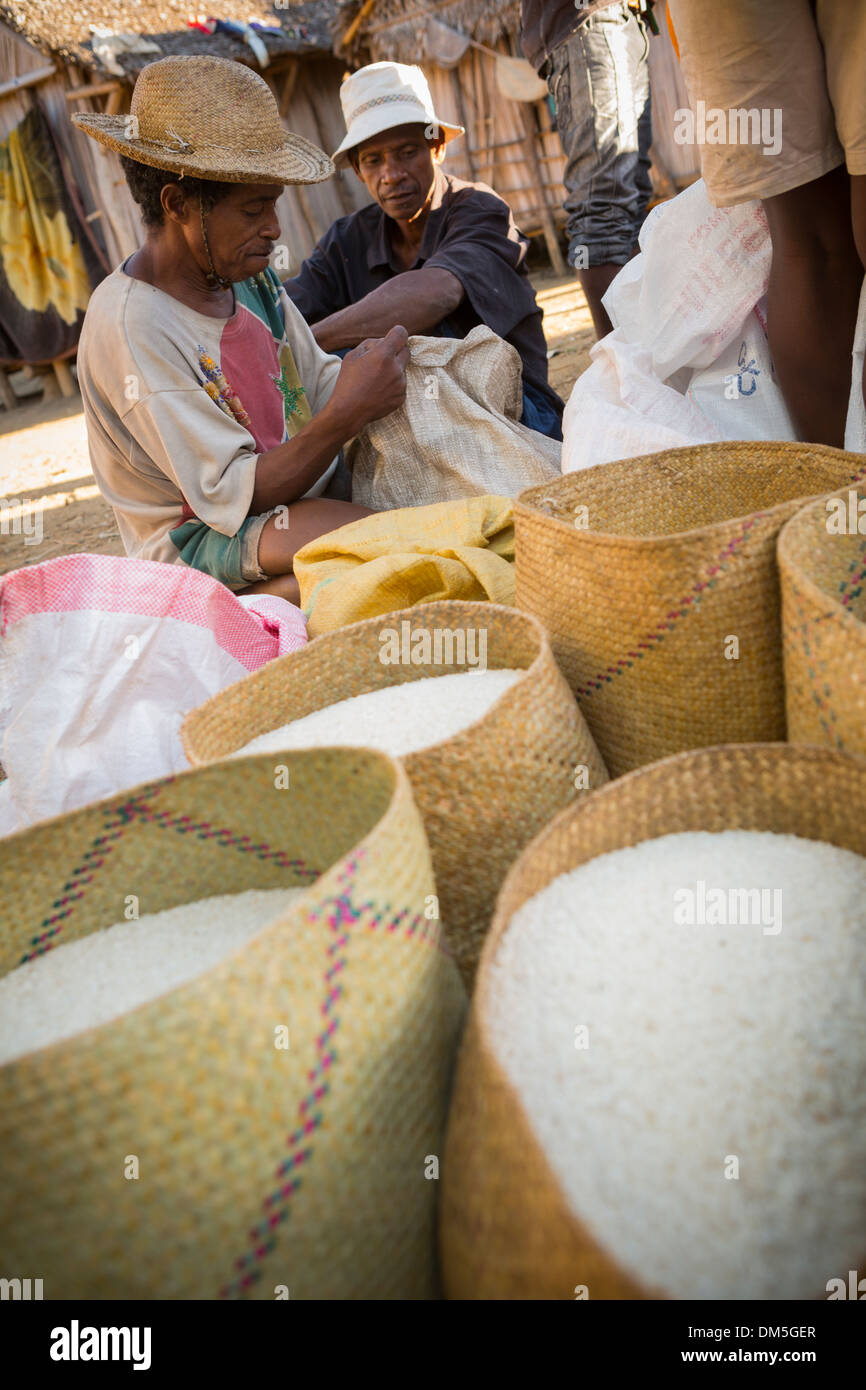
<point x="381" y="96"/>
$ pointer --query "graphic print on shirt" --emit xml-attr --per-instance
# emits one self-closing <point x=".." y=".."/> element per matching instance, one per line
<point x="219" y="390"/>
<point x="288" y="383"/>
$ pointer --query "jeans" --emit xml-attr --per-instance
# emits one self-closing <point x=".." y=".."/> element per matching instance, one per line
<point x="539" y="414"/>
<point x="599" y="80"/>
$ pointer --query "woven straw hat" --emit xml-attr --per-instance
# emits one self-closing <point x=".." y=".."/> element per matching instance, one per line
<point x="208" y="118"/>
<point x="381" y="96"/>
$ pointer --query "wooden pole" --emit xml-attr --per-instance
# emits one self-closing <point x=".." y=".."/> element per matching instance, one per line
<point x="457" y="87"/>
<point x="547" y="223"/>
<point x="65" y="379"/>
<point x="356" y="24"/>
<point x="289" y="83"/>
<point x="27" y="79"/>
<point x="7" y="395"/>
<point x="94" y="89"/>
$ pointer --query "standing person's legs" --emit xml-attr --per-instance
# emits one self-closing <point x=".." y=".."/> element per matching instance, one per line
<point x="766" y="56"/>
<point x="812" y="299"/>
<point x="858" y="217"/>
<point x="599" y="80"/>
<point x="843" y="33"/>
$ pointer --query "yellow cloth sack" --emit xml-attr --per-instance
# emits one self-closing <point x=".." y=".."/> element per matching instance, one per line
<point x="450" y="550"/>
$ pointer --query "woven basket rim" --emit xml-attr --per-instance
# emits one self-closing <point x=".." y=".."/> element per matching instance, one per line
<point x="792" y="567"/>
<point x="588" y="534"/>
<point x="285" y="917"/>
<point x="502" y="702"/>
<point x="479" y="1004"/>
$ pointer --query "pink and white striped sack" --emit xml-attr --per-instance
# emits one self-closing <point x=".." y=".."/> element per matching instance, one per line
<point x="100" y="658"/>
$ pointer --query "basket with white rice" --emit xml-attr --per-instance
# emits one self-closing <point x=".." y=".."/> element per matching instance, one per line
<point x="228" y="1031"/>
<point x="468" y="695"/>
<point x="661" y="1091"/>
<point x="656" y="580"/>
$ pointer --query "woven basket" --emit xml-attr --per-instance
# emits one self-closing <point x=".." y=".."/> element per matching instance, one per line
<point x="259" y="1167"/>
<point x="484" y="793"/>
<point x="824" y="623"/>
<point x="676" y="559"/>
<point x="506" y="1230"/>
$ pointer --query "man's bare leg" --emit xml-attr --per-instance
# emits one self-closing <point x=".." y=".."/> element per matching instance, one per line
<point x="812" y="301"/>
<point x="308" y="519"/>
<point x="595" y="281"/>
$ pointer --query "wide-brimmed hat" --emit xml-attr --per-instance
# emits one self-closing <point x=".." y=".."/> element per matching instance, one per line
<point x="209" y="118"/>
<point x="381" y="96"/>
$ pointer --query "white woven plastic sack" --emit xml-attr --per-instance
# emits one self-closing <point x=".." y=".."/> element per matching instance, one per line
<point x="738" y="393"/>
<point x="100" y="658"/>
<point x="619" y="409"/>
<point x="700" y="273"/>
<point x="681" y="311"/>
<point x="855" y="427"/>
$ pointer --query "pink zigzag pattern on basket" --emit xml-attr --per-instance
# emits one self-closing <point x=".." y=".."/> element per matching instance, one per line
<point x="846" y="591"/>
<point x="119" y="818"/>
<point x="682" y="609"/>
<point x="821" y="692"/>
<point x="342" y="916"/>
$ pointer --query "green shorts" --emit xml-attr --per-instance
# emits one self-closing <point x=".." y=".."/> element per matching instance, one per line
<point x="233" y="560"/>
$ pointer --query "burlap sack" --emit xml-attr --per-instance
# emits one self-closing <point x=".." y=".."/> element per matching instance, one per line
<point x="457" y="433"/>
<point x="506" y="1230"/>
<point x="656" y="579"/>
<point x="485" y="792"/>
<point x="259" y="1167"/>
<point x="822" y="566"/>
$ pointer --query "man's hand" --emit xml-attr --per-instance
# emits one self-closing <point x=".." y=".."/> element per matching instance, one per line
<point x="372" y="383"/>
<point x="372" y="380"/>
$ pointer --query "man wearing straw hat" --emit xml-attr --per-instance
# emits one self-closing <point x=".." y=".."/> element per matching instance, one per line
<point x="213" y="417"/>
<point x="432" y="252"/>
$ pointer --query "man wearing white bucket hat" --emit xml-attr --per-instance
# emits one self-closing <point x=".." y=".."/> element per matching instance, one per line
<point x="433" y="253"/>
<point x="213" y="417"/>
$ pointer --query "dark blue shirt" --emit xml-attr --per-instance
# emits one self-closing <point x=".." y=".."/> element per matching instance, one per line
<point x="471" y="232"/>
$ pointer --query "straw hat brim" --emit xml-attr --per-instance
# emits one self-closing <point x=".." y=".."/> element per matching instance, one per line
<point x="376" y="122"/>
<point x="296" y="161"/>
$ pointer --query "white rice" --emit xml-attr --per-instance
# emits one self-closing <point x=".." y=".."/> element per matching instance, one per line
<point x="398" y="719"/>
<point x="84" y="983"/>
<point x="704" y="1043"/>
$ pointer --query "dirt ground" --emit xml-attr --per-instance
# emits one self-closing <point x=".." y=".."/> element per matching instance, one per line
<point x="44" y="458"/>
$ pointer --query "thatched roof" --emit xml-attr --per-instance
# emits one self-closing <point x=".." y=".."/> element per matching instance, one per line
<point x="396" y="30"/>
<point x="62" y="29"/>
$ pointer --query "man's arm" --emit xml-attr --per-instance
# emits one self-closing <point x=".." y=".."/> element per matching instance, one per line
<point x="372" y="383"/>
<point x="417" y="299"/>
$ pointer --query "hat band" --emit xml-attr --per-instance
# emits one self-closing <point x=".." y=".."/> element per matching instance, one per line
<point x="176" y="144"/>
<point x="406" y="99"/>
